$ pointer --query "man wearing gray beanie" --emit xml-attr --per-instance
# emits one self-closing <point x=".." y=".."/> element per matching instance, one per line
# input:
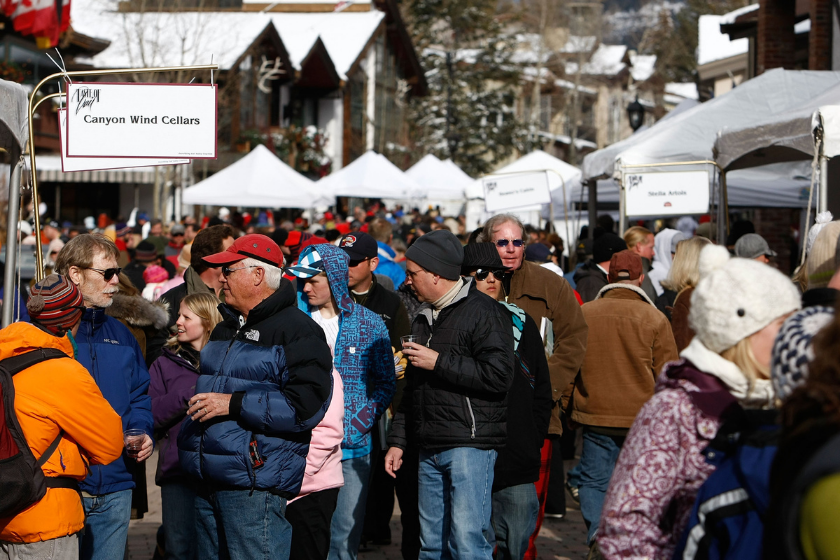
<point x="454" y="407"/>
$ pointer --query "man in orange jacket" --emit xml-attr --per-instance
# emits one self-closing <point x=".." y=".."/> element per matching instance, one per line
<point x="50" y="397"/>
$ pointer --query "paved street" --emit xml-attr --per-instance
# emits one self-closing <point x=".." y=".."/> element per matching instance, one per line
<point x="559" y="539"/>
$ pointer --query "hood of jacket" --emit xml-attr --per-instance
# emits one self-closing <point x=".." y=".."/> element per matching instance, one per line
<point x="335" y="265"/>
<point x="20" y="338"/>
<point x="610" y="290"/>
<point x="138" y="311"/>
<point x="662" y="249"/>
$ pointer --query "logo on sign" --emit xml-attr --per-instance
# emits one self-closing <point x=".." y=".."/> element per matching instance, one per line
<point x="85" y="97"/>
<point x="634" y="181"/>
<point x="491" y="186"/>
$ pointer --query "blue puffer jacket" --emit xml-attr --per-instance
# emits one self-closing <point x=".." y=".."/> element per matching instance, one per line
<point x="277" y="367"/>
<point x="111" y="354"/>
<point x="363" y="355"/>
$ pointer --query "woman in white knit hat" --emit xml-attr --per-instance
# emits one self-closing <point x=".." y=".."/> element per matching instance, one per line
<point x="736" y="311"/>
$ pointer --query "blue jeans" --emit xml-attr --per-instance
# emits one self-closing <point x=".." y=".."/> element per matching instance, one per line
<point x="574" y="476"/>
<point x="178" y="508"/>
<point x="241" y="525"/>
<point x="106" y="526"/>
<point x="597" y="462"/>
<point x="454" y="499"/>
<point x="348" y="519"/>
<point x="514" y="519"/>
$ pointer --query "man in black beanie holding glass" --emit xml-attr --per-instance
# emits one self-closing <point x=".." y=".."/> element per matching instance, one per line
<point x="454" y="408"/>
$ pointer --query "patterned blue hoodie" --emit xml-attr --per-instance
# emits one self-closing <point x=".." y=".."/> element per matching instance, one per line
<point x="363" y="354"/>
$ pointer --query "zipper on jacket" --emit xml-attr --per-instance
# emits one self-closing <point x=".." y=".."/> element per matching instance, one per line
<point x="472" y="418"/>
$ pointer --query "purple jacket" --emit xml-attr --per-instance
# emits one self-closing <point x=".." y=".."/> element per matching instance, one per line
<point x="172" y="385"/>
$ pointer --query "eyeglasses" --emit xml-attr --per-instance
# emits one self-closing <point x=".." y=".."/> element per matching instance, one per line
<point x="482" y="274"/>
<point x="227" y="271"/>
<point x="108" y="273"/>
<point x="504" y="242"/>
<point x="354" y="264"/>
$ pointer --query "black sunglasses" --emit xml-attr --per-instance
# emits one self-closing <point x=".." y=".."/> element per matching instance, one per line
<point x="481" y="274"/>
<point x="108" y="273"/>
<point x="227" y="271"/>
<point x="354" y="264"/>
<point x="504" y="242"/>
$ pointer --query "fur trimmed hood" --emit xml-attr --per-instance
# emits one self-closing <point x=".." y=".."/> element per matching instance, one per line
<point x="139" y="312"/>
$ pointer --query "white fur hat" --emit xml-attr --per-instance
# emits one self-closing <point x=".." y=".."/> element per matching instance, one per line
<point x="736" y="298"/>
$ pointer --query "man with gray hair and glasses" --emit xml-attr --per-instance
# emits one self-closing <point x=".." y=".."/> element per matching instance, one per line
<point x="551" y="303"/>
<point x="264" y="384"/>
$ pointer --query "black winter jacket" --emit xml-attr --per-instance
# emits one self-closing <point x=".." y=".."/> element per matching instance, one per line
<point x="589" y="280"/>
<point x="528" y="414"/>
<point x="463" y="401"/>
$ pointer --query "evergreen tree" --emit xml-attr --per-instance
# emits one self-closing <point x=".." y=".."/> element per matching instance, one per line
<point x="468" y="115"/>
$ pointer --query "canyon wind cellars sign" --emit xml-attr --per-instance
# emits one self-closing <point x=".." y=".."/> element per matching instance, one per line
<point x="138" y="120"/>
<point x="675" y="193"/>
<point x="506" y="192"/>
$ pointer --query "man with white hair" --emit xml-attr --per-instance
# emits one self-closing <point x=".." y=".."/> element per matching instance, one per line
<point x="108" y="350"/>
<point x="265" y="379"/>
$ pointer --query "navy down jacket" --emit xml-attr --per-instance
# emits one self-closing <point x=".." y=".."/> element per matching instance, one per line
<point x="277" y="366"/>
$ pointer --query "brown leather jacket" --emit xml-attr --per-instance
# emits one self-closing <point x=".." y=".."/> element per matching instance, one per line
<point x="629" y="342"/>
<point x="542" y="293"/>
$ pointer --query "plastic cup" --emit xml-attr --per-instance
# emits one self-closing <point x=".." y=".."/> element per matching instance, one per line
<point x="408" y="338"/>
<point x="133" y="440"/>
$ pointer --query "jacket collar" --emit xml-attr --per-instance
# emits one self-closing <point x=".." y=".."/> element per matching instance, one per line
<point x="94" y="315"/>
<point x="195" y="285"/>
<point x="427" y="310"/>
<point x="758" y="394"/>
<point x="385" y="252"/>
<point x="621" y="290"/>
<point x="284" y="297"/>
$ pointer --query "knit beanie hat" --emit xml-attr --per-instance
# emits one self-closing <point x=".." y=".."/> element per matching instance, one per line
<point x="56" y="304"/>
<point x="793" y="350"/>
<point x="606" y="246"/>
<point x="439" y="252"/>
<point x="481" y="256"/>
<point x="821" y="265"/>
<point x="145" y="252"/>
<point x="736" y="298"/>
<point x="155" y="274"/>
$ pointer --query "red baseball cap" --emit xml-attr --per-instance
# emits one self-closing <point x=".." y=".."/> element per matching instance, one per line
<point x="254" y="246"/>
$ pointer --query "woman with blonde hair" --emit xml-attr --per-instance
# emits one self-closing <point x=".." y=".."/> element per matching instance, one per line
<point x="737" y="309"/>
<point x="682" y="278"/>
<point x="173" y="377"/>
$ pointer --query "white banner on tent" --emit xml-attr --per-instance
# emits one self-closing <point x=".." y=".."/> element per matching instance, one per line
<point x="141" y="120"/>
<point x="673" y="193"/>
<point x="504" y="192"/>
<point x="93" y="164"/>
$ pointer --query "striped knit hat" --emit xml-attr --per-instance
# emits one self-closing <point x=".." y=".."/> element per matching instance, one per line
<point x="56" y="304"/>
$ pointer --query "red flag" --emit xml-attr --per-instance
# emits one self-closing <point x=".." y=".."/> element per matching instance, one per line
<point x="41" y="18"/>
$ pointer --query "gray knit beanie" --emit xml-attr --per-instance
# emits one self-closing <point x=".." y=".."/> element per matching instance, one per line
<point x="439" y="252"/>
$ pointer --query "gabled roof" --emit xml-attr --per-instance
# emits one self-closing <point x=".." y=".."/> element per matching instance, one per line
<point x="607" y="60"/>
<point x="714" y="45"/>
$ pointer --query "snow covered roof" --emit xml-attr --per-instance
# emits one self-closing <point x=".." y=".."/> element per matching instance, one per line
<point x="713" y="45"/>
<point x="570" y="85"/>
<point x="576" y="44"/>
<point x="727" y="19"/>
<point x="605" y="61"/>
<point x="643" y="66"/>
<point x="686" y="90"/>
<point x="187" y="38"/>
<point x="344" y="34"/>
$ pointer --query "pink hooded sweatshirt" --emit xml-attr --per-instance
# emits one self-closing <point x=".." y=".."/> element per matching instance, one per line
<point x="323" y="462"/>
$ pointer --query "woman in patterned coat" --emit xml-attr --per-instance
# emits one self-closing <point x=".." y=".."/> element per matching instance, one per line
<point x="736" y="311"/>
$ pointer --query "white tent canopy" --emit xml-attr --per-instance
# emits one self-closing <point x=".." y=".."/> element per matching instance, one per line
<point x="371" y="176"/>
<point x="441" y="180"/>
<point x="258" y="180"/>
<point x="691" y="135"/>
<point x="783" y="138"/>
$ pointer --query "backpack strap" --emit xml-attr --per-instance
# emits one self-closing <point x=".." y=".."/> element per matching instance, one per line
<point x="17" y="364"/>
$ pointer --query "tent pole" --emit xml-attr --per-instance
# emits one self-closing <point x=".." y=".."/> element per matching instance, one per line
<point x="592" y="185"/>
<point x="11" y="241"/>
<point x="622" y="207"/>
<point x="722" y="214"/>
<point x="823" y="204"/>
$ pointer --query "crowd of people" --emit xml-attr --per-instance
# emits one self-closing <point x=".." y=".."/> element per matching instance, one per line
<point x="297" y="376"/>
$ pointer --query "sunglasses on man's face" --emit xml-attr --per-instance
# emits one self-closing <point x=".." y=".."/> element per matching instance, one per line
<point x="354" y="264"/>
<point x="504" y="242"/>
<point x="108" y="273"/>
<point x="227" y="271"/>
<point x="482" y="274"/>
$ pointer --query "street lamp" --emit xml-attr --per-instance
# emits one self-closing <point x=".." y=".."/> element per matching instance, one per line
<point x="636" y="114"/>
